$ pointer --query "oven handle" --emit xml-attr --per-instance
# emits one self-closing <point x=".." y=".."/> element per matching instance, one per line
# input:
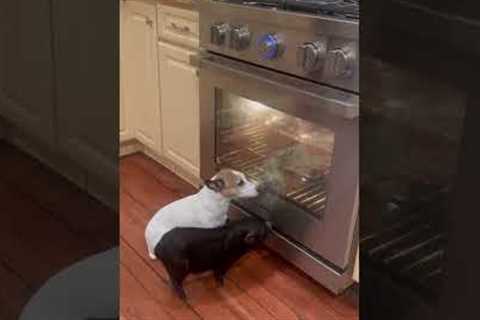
<point x="336" y="102"/>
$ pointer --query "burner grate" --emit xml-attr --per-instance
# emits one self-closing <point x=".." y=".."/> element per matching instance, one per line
<point x="349" y="9"/>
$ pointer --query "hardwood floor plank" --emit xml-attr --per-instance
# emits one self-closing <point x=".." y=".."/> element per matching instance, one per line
<point x="33" y="243"/>
<point x="13" y="294"/>
<point x="162" y="174"/>
<point x="207" y="300"/>
<point x="135" y="301"/>
<point x="143" y="188"/>
<point x="133" y="220"/>
<point x="345" y="306"/>
<point x="82" y="215"/>
<point x="308" y="302"/>
<point x="339" y="304"/>
<point x="154" y="284"/>
<point x="261" y="295"/>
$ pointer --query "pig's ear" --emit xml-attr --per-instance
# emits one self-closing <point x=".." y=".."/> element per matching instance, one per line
<point x="250" y="238"/>
<point x="216" y="185"/>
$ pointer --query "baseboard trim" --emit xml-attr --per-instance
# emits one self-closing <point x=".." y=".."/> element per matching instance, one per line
<point x="134" y="146"/>
<point x="129" y="147"/>
<point x="64" y="167"/>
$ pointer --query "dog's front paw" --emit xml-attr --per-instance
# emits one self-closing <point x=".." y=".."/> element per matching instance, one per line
<point x="220" y="280"/>
<point x="177" y="288"/>
<point x="180" y="292"/>
<point x="152" y="256"/>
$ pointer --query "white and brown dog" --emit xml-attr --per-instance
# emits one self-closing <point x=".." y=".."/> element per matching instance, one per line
<point x="205" y="209"/>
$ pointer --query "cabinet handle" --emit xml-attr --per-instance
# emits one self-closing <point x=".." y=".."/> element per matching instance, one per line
<point x="149" y="22"/>
<point x="184" y="29"/>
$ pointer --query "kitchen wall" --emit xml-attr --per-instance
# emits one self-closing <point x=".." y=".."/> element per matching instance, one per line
<point x="58" y="87"/>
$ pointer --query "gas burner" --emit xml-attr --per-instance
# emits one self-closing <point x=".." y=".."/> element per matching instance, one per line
<point x="349" y="9"/>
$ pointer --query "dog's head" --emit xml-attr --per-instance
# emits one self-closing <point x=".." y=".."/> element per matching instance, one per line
<point x="232" y="184"/>
<point x="246" y="232"/>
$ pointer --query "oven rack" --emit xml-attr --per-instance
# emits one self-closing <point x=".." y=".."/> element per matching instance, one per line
<point x="250" y="156"/>
<point x="412" y="250"/>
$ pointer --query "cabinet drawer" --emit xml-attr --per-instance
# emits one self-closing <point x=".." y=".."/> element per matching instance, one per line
<point x="178" y="25"/>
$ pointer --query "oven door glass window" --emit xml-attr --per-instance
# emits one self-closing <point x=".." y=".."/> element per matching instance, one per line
<point x="288" y="157"/>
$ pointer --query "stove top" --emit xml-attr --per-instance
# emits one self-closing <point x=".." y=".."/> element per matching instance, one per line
<point x="349" y="9"/>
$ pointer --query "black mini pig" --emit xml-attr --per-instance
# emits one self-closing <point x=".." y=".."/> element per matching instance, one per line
<point x="196" y="250"/>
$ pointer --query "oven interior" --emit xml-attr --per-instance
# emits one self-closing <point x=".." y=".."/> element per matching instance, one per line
<point x="289" y="158"/>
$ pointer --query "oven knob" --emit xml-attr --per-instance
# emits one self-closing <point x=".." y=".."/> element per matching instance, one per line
<point x="240" y="38"/>
<point x="311" y="55"/>
<point x="340" y="62"/>
<point x="218" y="33"/>
<point x="269" y="46"/>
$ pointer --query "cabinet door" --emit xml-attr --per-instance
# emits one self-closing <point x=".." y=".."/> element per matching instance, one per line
<point x="140" y="72"/>
<point x="356" y="269"/>
<point x="26" y="67"/>
<point x="87" y="61"/>
<point x="180" y="104"/>
<point x="125" y="118"/>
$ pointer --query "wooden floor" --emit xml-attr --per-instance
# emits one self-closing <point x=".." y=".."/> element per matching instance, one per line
<point x="46" y="224"/>
<point x="260" y="286"/>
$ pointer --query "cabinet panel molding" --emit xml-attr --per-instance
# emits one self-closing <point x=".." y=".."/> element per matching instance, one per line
<point x="179" y="107"/>
<point x="87" y="111"/>
<point x="178" y="26"/>
<point x="140" y="80"/>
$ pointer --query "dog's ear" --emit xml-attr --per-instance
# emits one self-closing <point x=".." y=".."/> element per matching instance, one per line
<point x="216" y="185"/>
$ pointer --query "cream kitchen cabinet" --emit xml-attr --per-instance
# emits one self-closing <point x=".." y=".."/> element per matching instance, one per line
<point x="140" y="102"/>
<point x="159" y="87"/>
<point x="124" y="125"/>
<point x="179" y="108"/>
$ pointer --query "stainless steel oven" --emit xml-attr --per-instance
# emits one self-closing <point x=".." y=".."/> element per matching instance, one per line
<point x="297" y="138"/>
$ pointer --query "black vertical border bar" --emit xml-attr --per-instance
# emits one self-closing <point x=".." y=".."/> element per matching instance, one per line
<point x="461" y="290"/>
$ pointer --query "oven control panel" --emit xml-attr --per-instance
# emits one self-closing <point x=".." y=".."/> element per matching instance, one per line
<point x="269" y="46"/>
<point x="318" y="48"/>
<point x="311" y="55"/>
